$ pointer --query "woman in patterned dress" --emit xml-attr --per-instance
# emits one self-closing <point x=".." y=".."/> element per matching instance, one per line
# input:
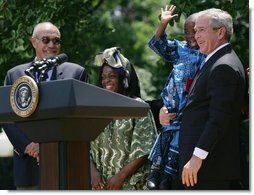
<point x="119" y="154"/>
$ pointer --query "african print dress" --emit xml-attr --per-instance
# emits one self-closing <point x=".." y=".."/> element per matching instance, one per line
<point x="121" y="142"/>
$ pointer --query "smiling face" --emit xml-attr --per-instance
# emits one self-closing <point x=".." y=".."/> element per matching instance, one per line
<point x="208" y="38"/>
<point x="110" y="79"/>
<point x="43" y="49"/>
<point x="190" y="34"/>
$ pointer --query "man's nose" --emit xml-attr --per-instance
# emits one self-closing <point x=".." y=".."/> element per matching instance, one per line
<point x="51" y="44"/>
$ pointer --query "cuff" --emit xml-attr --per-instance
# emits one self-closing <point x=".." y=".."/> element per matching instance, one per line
<point x="200" y="153"/>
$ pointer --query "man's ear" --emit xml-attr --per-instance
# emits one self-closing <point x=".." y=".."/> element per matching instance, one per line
<point x="33" y="41"/>
<point x="222" y="32"/>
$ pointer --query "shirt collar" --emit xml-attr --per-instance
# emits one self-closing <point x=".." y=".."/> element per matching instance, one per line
<point x="214" y="51"/>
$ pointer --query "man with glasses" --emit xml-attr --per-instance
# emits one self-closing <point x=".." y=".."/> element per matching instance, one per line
<point x="47" y="44"/>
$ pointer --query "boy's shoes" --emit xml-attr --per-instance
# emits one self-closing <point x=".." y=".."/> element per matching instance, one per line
<point x="166" y="181"/>
<point x="153" y="179"/>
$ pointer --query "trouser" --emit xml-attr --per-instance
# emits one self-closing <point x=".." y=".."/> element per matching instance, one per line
<point x="202" y="185"/>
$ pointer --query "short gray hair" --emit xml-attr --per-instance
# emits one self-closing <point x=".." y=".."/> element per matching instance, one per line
<point x="219" y="18"/>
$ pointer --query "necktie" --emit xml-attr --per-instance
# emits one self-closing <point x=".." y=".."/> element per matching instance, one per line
<point x="202" y="64"/>
<point x="196" y="76"/>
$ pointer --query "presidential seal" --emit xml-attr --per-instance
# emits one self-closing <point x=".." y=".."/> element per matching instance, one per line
<point x="24" y="96"/>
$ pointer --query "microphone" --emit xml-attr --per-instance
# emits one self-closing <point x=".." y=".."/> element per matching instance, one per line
<point x="34" y="67"/>
<point x="51" y="62"/>
<point x="45" y="64"/>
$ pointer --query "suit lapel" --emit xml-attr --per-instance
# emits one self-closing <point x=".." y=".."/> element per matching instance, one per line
<point x="57" y="73"/>
<point x="210" y="62"/>
<point x="194" y="80"/>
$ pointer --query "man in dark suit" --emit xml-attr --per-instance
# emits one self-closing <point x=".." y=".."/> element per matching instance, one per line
<point x="46" y="42"/>
<point x="209" y="137"/>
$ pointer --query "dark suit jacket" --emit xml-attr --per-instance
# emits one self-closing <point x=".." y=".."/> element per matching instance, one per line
<point x="26" y="172"/>
<point x="211" y="117"/>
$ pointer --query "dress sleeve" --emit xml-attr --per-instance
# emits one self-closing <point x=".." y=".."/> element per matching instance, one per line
<point x="143" y="137"/>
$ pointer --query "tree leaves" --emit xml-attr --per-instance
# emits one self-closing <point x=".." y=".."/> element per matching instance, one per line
<point x="88" y="27"/>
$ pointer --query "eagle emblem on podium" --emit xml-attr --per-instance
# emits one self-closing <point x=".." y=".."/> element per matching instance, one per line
<point x="24" y="96"/>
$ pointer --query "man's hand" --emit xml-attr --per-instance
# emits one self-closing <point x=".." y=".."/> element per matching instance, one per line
<point x="165" y="116"/>
<point x="32" y="149"/>
<point x="190" y="171"/>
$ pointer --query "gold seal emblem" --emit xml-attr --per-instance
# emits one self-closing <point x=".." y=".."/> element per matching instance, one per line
<point x="24" y="96"/>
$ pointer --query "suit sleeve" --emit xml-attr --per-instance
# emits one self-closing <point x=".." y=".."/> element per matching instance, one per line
<point x="17" y="138"/>
<point x="84" y="76"/>
<point x="223" y="91"/>
<point x="7" y="80"/>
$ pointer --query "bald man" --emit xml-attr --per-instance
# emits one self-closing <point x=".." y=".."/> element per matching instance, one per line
<point x="46" y="40"/>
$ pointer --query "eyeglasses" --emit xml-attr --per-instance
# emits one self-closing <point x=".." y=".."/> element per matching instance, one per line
<point x="46" y="40"/>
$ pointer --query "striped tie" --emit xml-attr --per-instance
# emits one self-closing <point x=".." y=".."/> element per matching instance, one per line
<point x="202" y="64"/>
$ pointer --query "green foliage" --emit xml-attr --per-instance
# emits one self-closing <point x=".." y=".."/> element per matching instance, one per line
<point x="239" y="10"/>
<point x="88" y="27"/>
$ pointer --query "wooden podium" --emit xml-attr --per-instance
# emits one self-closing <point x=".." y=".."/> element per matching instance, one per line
<point x="69" y="115"/>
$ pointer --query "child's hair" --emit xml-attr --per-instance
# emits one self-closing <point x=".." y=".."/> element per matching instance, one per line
<point x="191" y="18"/>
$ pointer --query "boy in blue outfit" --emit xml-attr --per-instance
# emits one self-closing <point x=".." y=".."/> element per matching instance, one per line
<point x="186" y="60"/>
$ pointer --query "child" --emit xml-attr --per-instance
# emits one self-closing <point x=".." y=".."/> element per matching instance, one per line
<point x="186" y="60"/>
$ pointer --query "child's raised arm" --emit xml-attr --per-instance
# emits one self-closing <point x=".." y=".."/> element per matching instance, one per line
<point x="165" y="17"/>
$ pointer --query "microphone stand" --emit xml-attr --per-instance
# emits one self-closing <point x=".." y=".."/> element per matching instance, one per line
<point x="43" y="71"/>
<point x="43" y="75"/>
<point x="42" y="67"/>
<point x="30" y="72"/>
